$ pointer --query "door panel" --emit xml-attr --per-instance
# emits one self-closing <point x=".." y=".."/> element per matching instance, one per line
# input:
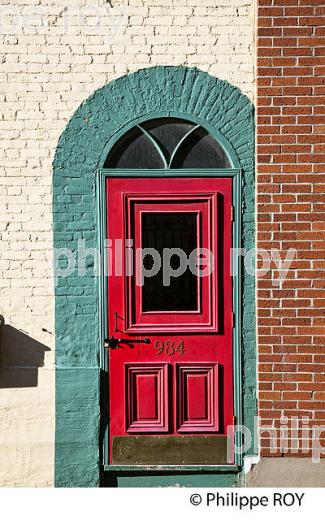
<point x="146" y="397"/>
<point x="197" y="397"/>
<point x="170" y="356"/>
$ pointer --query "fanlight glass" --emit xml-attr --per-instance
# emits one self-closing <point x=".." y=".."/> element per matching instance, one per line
<point x="167" y="143"/>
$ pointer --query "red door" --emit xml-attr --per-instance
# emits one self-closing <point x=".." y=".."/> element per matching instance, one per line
<point x="169" y="320"/>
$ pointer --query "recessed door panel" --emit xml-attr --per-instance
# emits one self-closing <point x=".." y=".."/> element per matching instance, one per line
<point x="146" y="397"/>
<point x="169" y="320"/>
<point x="197" y="397"/>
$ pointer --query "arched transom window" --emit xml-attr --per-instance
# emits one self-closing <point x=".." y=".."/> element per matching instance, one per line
<point x="167" y="143"/>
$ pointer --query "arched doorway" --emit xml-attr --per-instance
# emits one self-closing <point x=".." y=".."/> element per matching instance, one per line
<point x="197" y="145"/>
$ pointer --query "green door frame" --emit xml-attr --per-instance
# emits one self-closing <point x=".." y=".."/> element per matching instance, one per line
<point x="235" y="174"/>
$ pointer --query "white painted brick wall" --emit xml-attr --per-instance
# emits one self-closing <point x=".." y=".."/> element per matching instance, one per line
<point x="44" y="77"/>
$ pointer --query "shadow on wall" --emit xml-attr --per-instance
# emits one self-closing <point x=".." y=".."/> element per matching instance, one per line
<point x="20" y="357"/>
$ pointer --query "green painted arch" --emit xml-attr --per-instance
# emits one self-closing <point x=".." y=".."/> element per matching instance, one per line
<point x="154" y="92"/>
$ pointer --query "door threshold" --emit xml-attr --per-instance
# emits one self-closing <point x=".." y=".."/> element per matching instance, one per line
<point x="204" y="468"/>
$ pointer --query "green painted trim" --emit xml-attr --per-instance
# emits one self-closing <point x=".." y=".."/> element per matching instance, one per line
<point x="100" y="121"/>
<point x="188" y="479"/>
<point x="237" y="304"/>
<point x="189" y="172"/>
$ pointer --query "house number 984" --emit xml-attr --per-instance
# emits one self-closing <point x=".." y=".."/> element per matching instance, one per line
<point x="169" y="347"/>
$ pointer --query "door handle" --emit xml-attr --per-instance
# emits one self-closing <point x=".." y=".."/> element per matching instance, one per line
<point x="113" y="342"/>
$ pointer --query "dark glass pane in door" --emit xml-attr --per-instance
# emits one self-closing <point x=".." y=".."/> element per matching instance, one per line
<point x="163" y="231"/>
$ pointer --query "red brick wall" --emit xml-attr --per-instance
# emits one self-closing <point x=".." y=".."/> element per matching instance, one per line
<point x="291" y="212"/>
